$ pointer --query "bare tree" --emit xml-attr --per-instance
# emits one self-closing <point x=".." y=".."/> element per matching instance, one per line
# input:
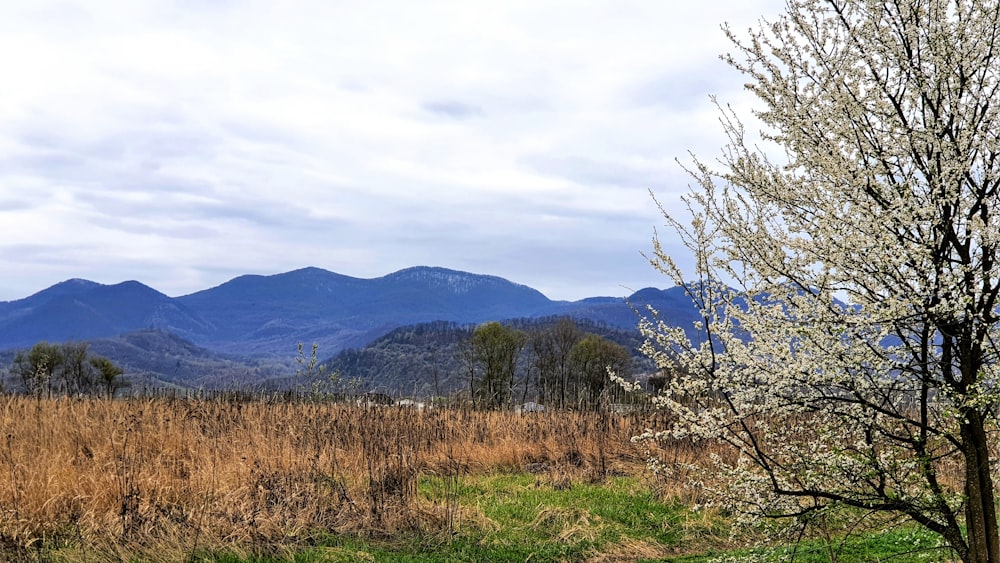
<point x="75" y="372"/>
<point x="591" y="359"/>
<point x="108" y="378"/>
<point x="37" y="368"/>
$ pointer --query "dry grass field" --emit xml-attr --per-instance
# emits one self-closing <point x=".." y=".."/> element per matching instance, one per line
<point x="167" y="478"/>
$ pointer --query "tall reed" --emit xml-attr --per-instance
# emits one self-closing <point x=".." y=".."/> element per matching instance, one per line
<point x="172" y="476"/>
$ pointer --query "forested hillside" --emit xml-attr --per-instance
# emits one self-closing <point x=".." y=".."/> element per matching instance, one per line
<point x="434" y="359"/>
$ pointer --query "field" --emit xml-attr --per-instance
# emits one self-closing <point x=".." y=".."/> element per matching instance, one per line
<point x="233" y="480"/>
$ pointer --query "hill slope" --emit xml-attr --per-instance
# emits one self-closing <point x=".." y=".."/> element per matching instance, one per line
<point x="426" y="359"/>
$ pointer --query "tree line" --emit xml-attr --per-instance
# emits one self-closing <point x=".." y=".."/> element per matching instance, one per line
<point x="557" y="365"/>
<point x="437" y="359"/>
<point x="65" y="369"/>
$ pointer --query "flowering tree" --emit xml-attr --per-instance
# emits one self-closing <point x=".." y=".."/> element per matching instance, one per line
<point x="849" y="288"/>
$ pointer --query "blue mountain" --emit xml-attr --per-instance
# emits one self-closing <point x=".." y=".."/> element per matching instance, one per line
<point x="85" y="310"/>
<point x="262" y="316"/>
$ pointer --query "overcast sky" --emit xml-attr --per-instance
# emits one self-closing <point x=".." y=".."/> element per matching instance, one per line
<point x="182" y="143"/>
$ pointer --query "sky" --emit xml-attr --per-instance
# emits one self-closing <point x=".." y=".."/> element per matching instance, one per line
<point x="183" y="143"/>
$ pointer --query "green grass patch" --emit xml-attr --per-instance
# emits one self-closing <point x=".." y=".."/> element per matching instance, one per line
<point x="523" y="517"/>
<point x="518" y="517"/>
<point x="528" y="517"/>
<point x="903" y="545"/>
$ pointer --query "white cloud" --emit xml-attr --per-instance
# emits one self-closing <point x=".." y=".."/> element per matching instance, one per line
<point x="181" y="143"/>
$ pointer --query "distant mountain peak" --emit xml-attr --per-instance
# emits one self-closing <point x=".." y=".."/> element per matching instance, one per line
<point x="73" y="286"/>
<point x="132" y="283"/>
<point x="78" y="282"/>
<point x="428" y="272"/>
<point x="308" y="271"/>
<point x="456" y="281"/>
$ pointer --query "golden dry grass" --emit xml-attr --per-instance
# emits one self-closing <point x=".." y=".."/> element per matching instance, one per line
<point x="170" y="477"/>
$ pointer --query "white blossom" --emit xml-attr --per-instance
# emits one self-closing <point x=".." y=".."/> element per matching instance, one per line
<point x="849" y="294"/>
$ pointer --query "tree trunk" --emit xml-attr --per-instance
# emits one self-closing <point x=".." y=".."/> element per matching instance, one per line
<point x="980" y="507"/>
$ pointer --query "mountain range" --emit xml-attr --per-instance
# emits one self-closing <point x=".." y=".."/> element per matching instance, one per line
<point x="255" y="316"/>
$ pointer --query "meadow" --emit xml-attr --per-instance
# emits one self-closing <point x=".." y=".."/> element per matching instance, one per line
<point x="227" y="479"/>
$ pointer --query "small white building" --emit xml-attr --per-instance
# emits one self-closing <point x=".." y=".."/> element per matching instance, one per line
<point x="410" y="404"/>
<point x="530" y="406"/>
